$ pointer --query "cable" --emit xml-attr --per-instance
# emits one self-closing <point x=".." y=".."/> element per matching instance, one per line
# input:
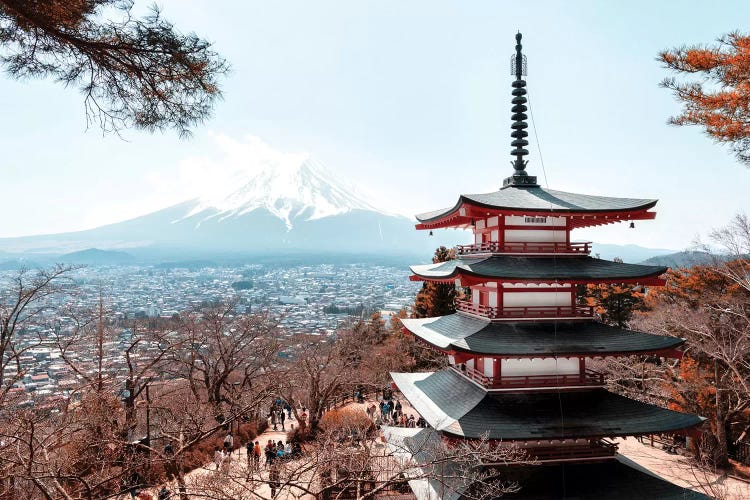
<point x="554" y="267"/>
<point x="538" y="146"/>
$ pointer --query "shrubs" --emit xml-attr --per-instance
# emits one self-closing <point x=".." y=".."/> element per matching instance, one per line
<point x="344" y="423"/>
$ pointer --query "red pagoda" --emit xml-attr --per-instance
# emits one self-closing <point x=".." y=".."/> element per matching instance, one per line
<point x="519" y="344"/>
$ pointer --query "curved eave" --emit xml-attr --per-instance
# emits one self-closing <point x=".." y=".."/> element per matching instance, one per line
<point x="470" y="279"/>
<point x="457" y="407"/>
<point x="465" y="337"/>
<point x="466" y="210"/>
<point x="503" y="269"/>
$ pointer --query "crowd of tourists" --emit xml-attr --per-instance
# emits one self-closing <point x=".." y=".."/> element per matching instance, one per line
<point x="391" y="413"/>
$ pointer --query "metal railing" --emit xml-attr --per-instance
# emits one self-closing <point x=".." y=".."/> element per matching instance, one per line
<point x="578" y="248"/>
<point x="589" y="378"/>
<point x="525" y="311"/>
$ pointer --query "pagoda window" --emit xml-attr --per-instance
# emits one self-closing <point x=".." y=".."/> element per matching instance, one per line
<point x="536" y="229"/>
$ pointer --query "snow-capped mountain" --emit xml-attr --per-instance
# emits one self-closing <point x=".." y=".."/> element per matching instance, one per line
<point x="305" y="191"/>
<point x="283" y="206"/>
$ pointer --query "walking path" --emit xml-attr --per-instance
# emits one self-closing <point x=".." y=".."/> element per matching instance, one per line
<point x="678" y="470"/>
<point x="674" y="468"/>
<point x="233" y="479"/>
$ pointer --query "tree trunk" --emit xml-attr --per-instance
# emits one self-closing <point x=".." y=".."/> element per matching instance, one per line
<point x="721" y="453"/>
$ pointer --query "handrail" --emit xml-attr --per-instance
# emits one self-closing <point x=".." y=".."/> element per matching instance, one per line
<point x="588" y="378"/>
<point x="582" y="247"/>
<point x="525" y="311"/>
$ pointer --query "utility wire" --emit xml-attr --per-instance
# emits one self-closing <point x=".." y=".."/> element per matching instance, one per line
<point x="554" y="267"/>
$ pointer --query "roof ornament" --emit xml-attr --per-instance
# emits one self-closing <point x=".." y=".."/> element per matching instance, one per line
<point x="519" y="126"/>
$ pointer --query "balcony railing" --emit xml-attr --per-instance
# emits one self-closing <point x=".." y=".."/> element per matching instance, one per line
<point x="578" y="248"/>
<point x="525" y="311"/>
<point x="589" y="378"/>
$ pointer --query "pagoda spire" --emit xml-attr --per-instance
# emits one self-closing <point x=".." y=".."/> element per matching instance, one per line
<point x="519" y="126"/>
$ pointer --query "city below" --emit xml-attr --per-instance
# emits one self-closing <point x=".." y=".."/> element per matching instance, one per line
<point x="310" y="299"/>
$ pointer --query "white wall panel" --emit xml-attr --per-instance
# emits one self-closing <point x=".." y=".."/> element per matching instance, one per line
<point x="546" y="366"/>
<point x="528" y="299"/>
<point x="536" y="236"/>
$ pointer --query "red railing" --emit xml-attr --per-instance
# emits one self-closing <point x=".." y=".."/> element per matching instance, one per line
<point x="525" y="247"/>
<point x="525" y="311"/>
<point x="588" y="378"/>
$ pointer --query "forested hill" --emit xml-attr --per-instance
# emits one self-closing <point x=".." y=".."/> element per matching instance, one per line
<point x="680" y="259"/>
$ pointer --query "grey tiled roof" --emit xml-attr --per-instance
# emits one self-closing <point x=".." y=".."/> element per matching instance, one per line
<point x="456" y="406"/>
<point x="618" y="479"/>
<point x="522" y="338"/>
<point x="544" y="268"/>
<point x="611" y="479"/>
<point x="543" y="200"/>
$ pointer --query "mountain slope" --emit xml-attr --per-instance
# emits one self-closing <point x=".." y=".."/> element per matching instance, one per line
<point x="292" y="208"/>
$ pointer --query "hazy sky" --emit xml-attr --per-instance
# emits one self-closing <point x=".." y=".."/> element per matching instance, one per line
<point x="410" y="100"/>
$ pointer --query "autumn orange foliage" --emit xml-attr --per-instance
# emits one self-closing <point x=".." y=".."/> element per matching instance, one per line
<point x="720" y="101"/>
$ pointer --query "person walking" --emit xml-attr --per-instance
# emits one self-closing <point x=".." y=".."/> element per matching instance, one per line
<point x="273" y="419"/>
<point x="218" y="458"/>
<point x="249" y="450"/>
<point x="270" y="453"/>
<point x="256" y="455"/>
<point x="228" y="443"/>
<point x="282" y="417"/>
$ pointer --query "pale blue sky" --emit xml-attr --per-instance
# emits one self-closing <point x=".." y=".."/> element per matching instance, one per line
<point x="411" y="100"/>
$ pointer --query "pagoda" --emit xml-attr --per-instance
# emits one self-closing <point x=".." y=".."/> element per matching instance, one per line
<point x="519" y="343"/>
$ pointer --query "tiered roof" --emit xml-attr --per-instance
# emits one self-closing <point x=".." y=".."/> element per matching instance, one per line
<point x="515" y="268"/>
<point x="463" y="333"/>
<point x="582" y="209"/>
<point x="458" y="407"/>
<point x="618" y="479"/>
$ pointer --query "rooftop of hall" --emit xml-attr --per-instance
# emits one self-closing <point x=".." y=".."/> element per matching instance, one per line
<point x="458" y="407"/>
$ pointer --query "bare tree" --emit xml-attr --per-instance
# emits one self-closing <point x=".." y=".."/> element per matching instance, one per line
<point x="321" y="369"/>
<point x="132" y="71"/>
<point x="222" y="355"/>
<point x="23" y="303"/>
<point x="709" y="305"/>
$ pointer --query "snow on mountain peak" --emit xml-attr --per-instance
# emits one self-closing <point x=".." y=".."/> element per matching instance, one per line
<point x="289" y="187"/>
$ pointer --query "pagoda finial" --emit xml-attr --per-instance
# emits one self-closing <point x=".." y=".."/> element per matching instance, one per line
<point x="519" y="126"/>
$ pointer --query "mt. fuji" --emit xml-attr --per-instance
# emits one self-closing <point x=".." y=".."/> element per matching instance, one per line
<point x="303" y="191"/>
<point x="284" y="206"/>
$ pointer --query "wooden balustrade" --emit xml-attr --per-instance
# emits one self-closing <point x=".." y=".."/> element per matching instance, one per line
<point x="578" y="248"/>
<point x="589" y="378"/>
<point x="525" y="311"/>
